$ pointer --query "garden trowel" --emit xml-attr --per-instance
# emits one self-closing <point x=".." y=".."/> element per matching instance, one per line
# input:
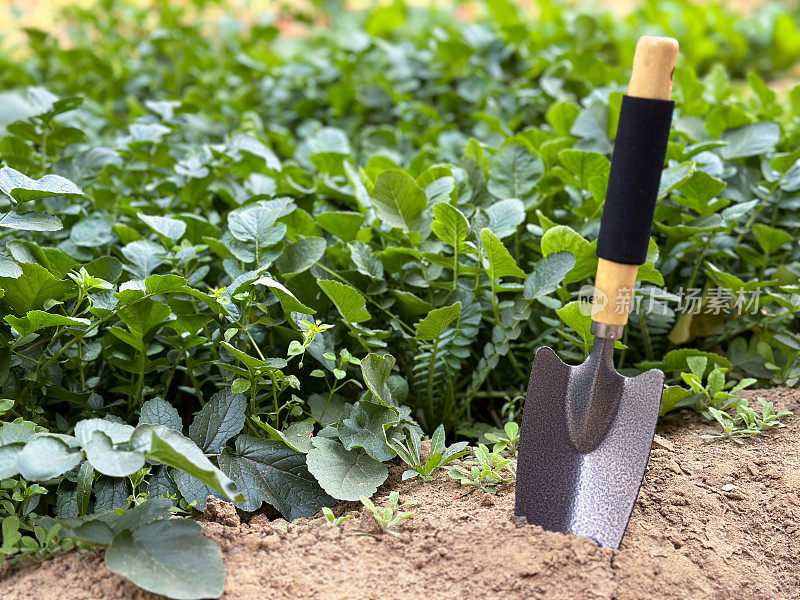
<point x="587" y="430"/>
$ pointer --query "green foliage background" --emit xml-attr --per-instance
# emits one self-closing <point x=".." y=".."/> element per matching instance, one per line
<point x="358" y="232"/>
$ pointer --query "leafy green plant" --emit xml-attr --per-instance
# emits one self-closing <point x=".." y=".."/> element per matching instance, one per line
<point x="331" y="519"/>
<point x="746" y="421"/>
<point x="486" y="469"/>
<point x="712" y="393"/>
<point x="391" y="515"/>
<point x="290" y="255"/>
<point x="410" y="452"/>
<point x="508" y="441"/>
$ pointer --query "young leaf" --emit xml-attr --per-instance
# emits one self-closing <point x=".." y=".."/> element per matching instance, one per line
<point x="434" y="324"/>
<point x="398" y="200"/>
<point x="348" y="300"/>
<point x="498" y="261"/>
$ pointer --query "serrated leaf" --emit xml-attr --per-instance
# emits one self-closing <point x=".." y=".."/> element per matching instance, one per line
<point x="172" y="449"/>
<point x="158" y="411"/>
<point x="577" y="316"/>
<point x="433" y="325"/>
<point x="269" y="471"/>
<point x="449" y="224"/>
<point x="31" y="289"/>
<point x="365" y="428"/>
<point x="348" y="300"/>
<point x="398" y="200"/>
<point x="218" y="421"/>
<point x="497" y="260"/>
<point x="344" y="474"/>
<point x="37" y="319"/>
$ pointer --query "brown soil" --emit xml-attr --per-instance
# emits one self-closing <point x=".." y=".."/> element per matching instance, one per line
<point x="713" y="520"/>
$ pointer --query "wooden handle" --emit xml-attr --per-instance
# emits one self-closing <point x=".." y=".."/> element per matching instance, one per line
<point x="653" y="68"/>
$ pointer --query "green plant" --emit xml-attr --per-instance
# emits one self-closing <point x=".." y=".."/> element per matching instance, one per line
<point x="712" y="394"/>
<point x="508" y="441"/>
<point x="333" y="520"/>
<point x="288" y="255"/>
<point x="410" y="452"/>
<point x="393" y="514"/>
<point x="746" y="422"/>
<point x="486" y="469"/>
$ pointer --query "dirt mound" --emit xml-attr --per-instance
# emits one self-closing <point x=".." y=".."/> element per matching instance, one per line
<point x="712" y="521"/>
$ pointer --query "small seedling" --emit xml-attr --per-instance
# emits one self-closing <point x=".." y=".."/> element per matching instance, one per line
<point x="410" y="453"/>
<point x="505" y="443"/>
<point x="713" y="393"/>
<point x="746" y="422"/>
<point x="332" y="519"/>
<point x="390" y="516"/>
<point x="486" y="469"/>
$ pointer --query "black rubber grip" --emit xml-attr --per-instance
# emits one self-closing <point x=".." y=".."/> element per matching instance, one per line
<point x="636" y="166"/>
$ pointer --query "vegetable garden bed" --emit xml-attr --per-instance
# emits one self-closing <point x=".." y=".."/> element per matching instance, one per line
<point x="711" y="521"/>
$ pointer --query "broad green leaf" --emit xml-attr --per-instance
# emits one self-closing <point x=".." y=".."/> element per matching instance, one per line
<point x="344" y="225"/>
<point x="577" y="316"/>
<point x="584" y="165"/>
<point x="497" y="260"/>
<point x="144" y="315"/>
<point x="365" y="428"/>
<point x="548" y="274"/>
<point x="8" y="460"/>
<point x="118" y="433"/>
<point x="375" y="370"/>
<point x="348" y="300"/>
<point x="257" y="224"/>
<point x="269" y="471"/>
<point x="172" y="449"/>
<point x="514" y="172"/>
<point x="32" y="289"/>
<point x="301" y="255"/>
<point x="219" y="420"/>
<point x="366" y="263"/>
<point x="449" y="224"/>
<point x="750" y="140"/>
<point x="158" y="411"/>
<point x="344" y="474"/>
<point x="770" y="238"/>
<point x="110" y="460"/>
<point x="24" y="189"/>
<point x="170" y="557"/>
<point x="31" y="221"/>
<point x="565" y="239"/>
<point x="46" y="457"/>
<point x="398" y="200"/>
<point x="37" y="319"/>
<point x="287" y="299"/>
<point x="167" y="228"/>
<point x="505" y="216"/>
<point x="433" y="325"/>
